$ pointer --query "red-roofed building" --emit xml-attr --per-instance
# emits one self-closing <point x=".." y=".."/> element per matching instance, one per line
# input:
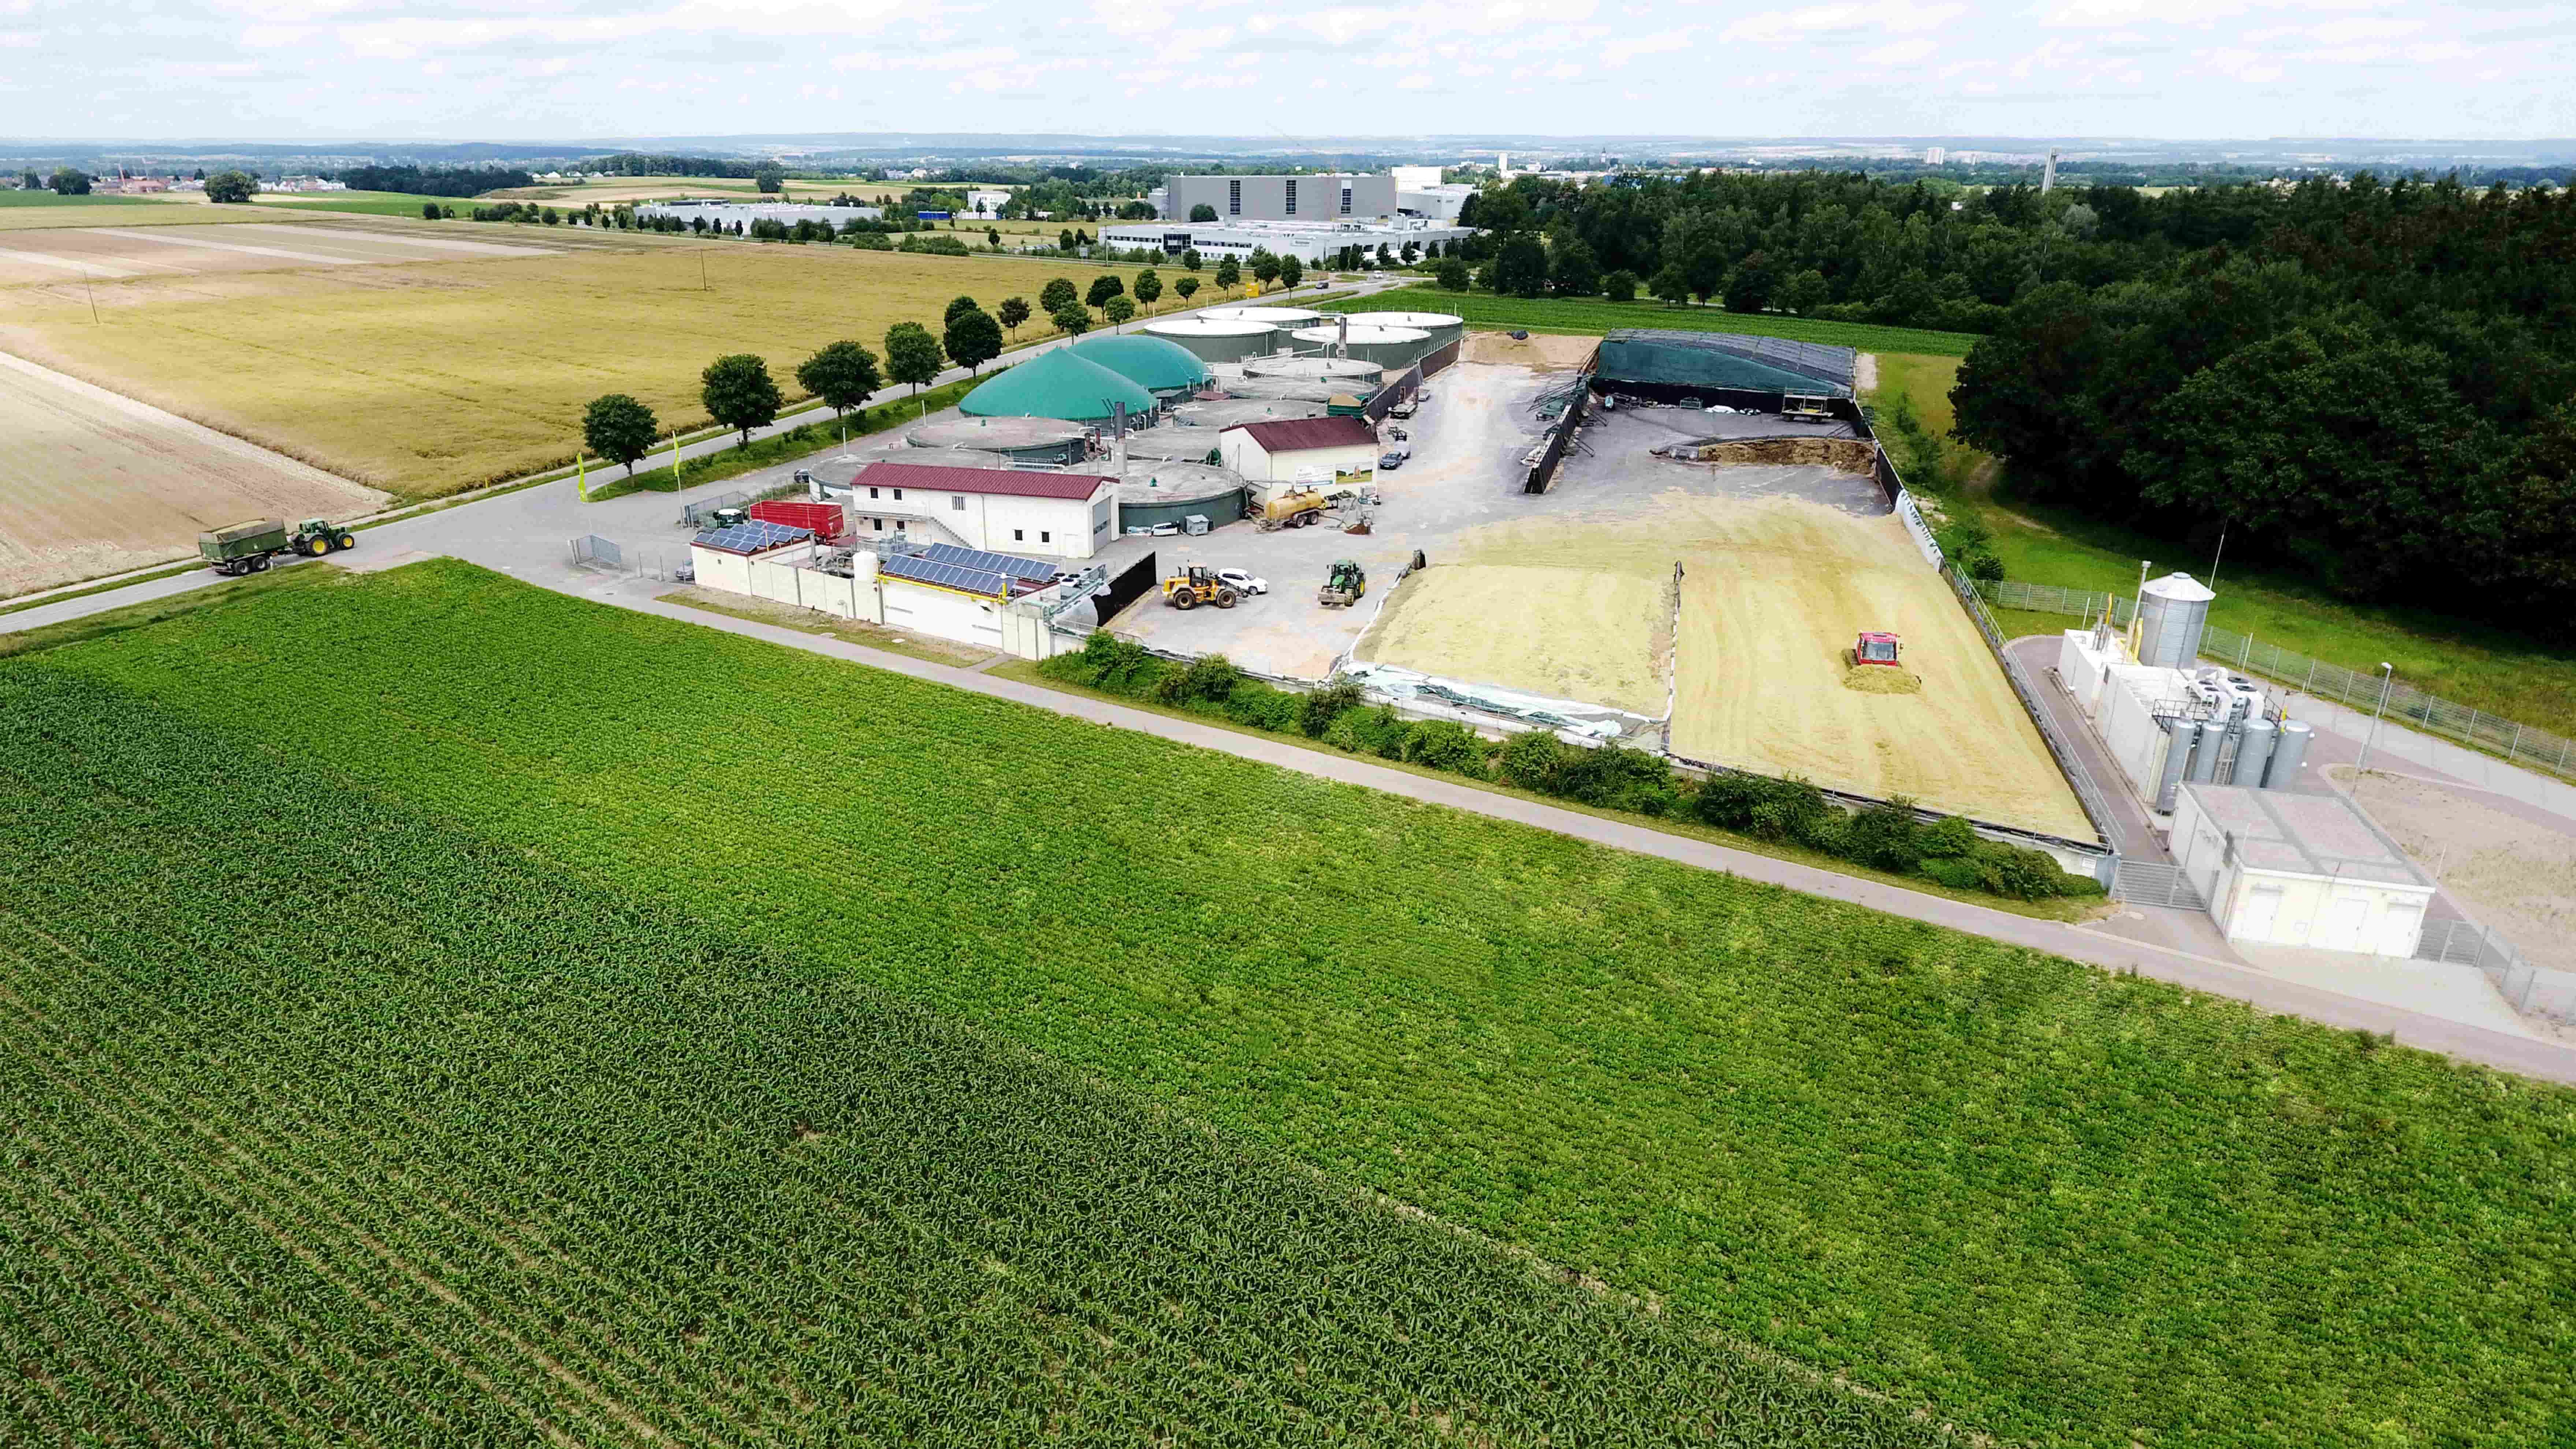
<point x="1294" y="449"/>
<point x="1001" y="510"/>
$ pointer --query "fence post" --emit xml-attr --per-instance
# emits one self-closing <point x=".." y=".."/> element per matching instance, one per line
<point x="2245" y="656"/>
<point x="2310" y="688"/>
<point x="2513" y="745"/>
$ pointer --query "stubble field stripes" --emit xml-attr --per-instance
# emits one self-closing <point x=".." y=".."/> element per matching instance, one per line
<point x="316" y="258"/>
<point x="69" y="264"/>
<point x="486" y="249"/>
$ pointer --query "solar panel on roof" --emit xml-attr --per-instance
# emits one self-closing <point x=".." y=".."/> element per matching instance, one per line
<point x="991" y="563"/>
<point x="952" y="576"/>
<point x="753" y="537"/>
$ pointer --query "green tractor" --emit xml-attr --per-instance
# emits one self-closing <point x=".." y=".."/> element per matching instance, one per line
<point x="246" y="548"/>
<point x="1344" y="582"/>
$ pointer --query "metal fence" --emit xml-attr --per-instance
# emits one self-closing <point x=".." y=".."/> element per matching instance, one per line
<point x="2147" y="883"/>
<point x="1559" y="439"/>
<point x="695" y="515"/>
<point x="2096" y="807"/>
<point x="592" y="551"/>
<point x="2518" y="744"/>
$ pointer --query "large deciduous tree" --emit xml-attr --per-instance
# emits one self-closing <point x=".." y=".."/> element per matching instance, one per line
<point x="973" y="338"/>
<point x="619" y="428"/>
<point x="912" y="355"/>
<point x="843" y="374"/>
<point x="1013" y="312"/>
<point x="1057" y="295"/>
<point x="739" y="393"/>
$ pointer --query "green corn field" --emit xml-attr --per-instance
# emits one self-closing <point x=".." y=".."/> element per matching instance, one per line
<point x="586" y="1026"/>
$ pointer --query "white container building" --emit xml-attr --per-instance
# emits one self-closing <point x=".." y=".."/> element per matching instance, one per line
<point x="2298" y="870"/>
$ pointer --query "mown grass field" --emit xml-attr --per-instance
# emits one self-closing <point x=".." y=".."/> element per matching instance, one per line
<point x="18" y="200"/>
<point x="2047" y="1203"/>
<point x="427" y="378"/>
<point x="332" y="1123"/>
<point x="1486" y="312"/>
<point x="367" y="203"/>
<point x="38" y="210"/>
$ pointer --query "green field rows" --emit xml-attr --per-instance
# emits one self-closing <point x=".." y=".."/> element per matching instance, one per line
<point x="1486" y="312"/>
<point x="2043" y="1202"/>
<point x="332" y="1123"/>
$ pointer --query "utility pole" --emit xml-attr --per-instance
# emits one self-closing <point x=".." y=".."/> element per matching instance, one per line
<point x="2387" y="677"/>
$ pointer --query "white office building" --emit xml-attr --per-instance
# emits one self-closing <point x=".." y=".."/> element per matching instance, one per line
<point x="2298" y="870"/>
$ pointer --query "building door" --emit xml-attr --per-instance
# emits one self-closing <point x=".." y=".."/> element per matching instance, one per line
<point x="2254" y="919"/>
<point x="2400" y="929"/>
<point x="2339" y="926"/>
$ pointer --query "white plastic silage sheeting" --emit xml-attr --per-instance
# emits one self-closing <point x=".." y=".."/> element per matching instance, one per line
<point x="1406" y="686"/>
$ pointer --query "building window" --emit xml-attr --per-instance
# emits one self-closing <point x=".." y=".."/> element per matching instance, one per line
<point x="1292" y="196"/>
<point x="898" y="495"/>
<point x="878" y="524"/>
<point x="898" y="525"/>
<point x="1346" y="199"/>
<point x="1017" y="535"/>
<point x="872" y="493"/>
<point x="956" y="502"/>
<point x="1045" y="536"/>
<point x="1234" y="198"/>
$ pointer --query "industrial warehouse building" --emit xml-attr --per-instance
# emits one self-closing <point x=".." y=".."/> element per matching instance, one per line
<point x="2298" y="870"/>
<point x="1063" y="515"/>
<point x="1299" y="449"/>
<point x="1278" y="198"/>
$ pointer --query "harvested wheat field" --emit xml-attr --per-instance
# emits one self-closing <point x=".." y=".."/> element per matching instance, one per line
<point x="94" y="484"/>
<point x="2508" y="867"/>
<point x="429" y="376"/>
<point x="1568" y="633"/>
<point x="1773" y="593"/>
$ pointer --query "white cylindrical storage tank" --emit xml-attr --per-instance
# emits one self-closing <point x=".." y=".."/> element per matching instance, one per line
<point x="2180" y="736"/>
<point x="2288" y="754"/>
<point x="1443" y="327"/>
<point x="1389" y="347"/>
<point x="1314" y="369"/>
<point x="1278" y="319"/>
<point x="2172" y="612"/>
<point x="1214" y="340"/>
<point x="1303" y="389"/>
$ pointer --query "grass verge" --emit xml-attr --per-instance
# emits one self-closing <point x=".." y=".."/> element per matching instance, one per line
<point x="2060" y="909"/>
<point x="2050" y="1202"/>
<point x="1485" y="312"/>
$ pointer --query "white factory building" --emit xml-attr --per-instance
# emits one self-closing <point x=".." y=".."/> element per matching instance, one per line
<point x="2298" y="870"/>
<point x="1312" y="242"/>
<point x="1000" y="510"/>
<point x="726" y="213"/>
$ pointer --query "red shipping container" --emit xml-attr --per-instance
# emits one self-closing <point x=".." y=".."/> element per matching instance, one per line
<point x="825" y="519"/>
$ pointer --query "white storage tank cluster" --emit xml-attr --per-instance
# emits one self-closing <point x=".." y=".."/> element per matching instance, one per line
<point x="1386" y="347"/>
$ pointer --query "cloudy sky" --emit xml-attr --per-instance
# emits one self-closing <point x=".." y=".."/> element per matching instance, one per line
<point x="496" y="69"/>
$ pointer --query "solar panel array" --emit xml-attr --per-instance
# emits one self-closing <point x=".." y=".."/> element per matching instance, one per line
<point x="991" y="563"/>
<point x="753" y="537"/>
<point x="952" y="576"/>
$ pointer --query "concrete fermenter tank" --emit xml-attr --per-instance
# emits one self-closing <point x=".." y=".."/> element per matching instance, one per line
<point x="1315" y="369"/>
<point x="1217" y="340"/>
<point x="1443" y="327"/>
<point x="2172" y="612"/>
<point x="1022" y="440"/>
<point x="1388" y="347"/>
<point x="1278" y="319"/>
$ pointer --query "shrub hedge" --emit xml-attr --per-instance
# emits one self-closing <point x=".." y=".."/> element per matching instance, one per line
<point x="1886" y="837"/>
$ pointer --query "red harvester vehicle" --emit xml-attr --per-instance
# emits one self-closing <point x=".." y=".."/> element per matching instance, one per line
<point x="1875" y="648"/>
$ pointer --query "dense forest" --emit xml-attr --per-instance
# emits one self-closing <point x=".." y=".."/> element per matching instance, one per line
<point x="436" y="181"/>
<point x="2374" y="381"/>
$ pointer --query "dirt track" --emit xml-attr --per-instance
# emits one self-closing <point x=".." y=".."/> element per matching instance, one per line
<point x="95" y="484"/>
<point x="2509" y="871"/>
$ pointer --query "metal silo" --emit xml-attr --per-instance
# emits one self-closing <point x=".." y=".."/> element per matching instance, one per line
<point x="2172" y="612"/>
<point x="2287" y="756"/>
<point x="2254" y="753"/>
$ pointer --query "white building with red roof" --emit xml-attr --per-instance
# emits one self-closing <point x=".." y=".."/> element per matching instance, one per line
<point x="1059" y="515"/>
<point x="1299" y="449"/>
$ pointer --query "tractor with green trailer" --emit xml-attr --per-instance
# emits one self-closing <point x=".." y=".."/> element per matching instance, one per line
<point x="246" y="548"/>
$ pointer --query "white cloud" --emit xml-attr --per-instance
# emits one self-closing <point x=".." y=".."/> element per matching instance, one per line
<point x="1903" y="52"/>
<point x="1785" y="27"/>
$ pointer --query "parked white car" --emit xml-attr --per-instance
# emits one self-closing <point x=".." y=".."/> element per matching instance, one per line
<point x="1242" y="582"/>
